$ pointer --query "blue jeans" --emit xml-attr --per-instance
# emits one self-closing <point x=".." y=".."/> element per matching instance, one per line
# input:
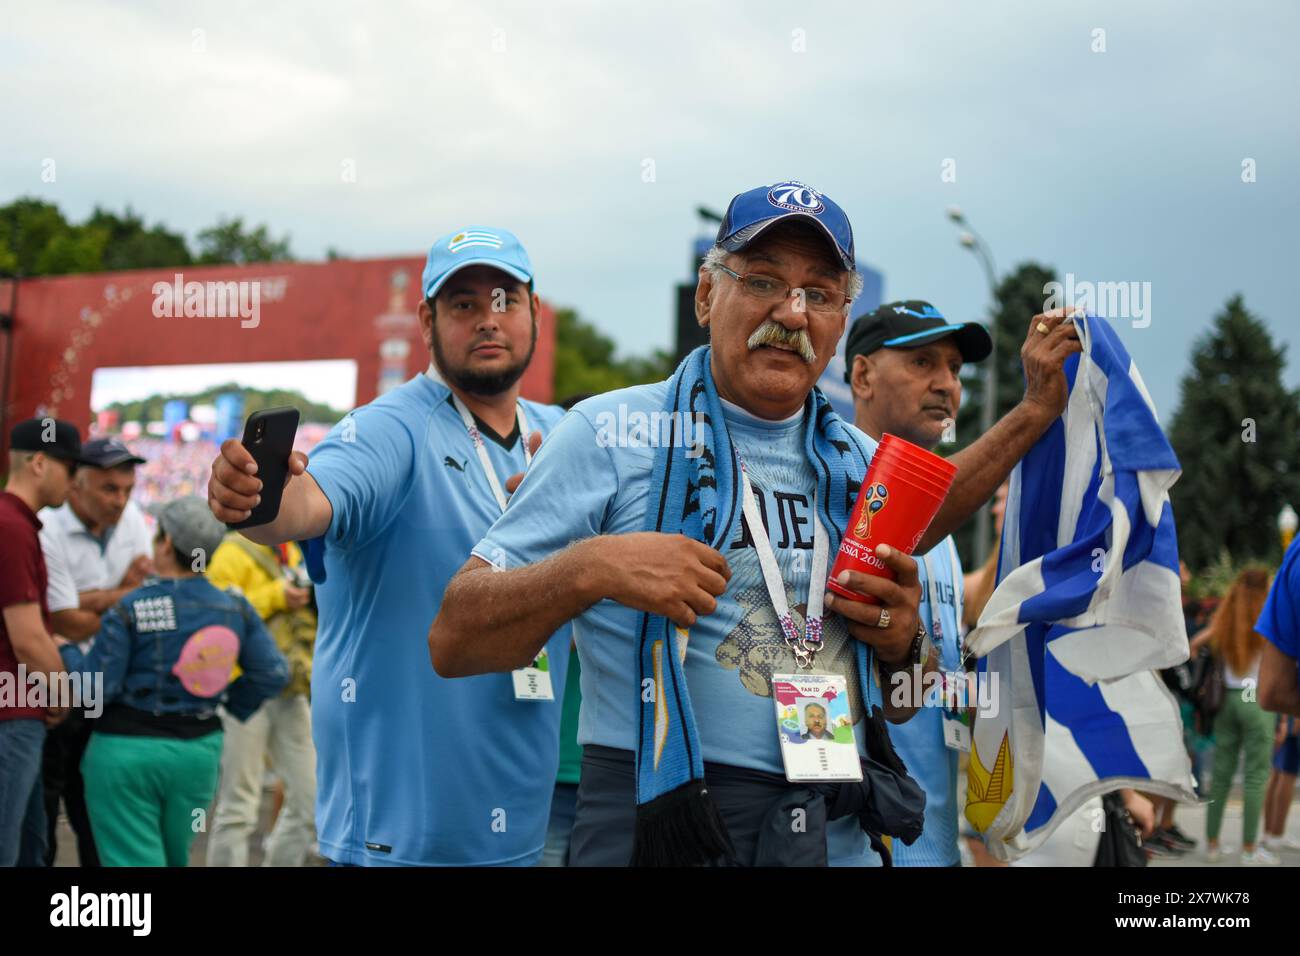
<point x="22" y="798"/>
<point x="564" y="805"/>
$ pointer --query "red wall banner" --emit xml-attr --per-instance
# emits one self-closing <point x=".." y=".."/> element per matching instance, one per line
<point x="364" y="310"/>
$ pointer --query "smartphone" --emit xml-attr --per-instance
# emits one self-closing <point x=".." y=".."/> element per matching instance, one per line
<point x="268" y="436"/>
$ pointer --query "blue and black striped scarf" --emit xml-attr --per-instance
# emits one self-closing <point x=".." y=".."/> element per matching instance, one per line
<point x="699" y="496"/>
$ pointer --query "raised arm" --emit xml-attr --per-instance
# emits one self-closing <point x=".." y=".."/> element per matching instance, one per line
<point x="986" y="462"/>
<point x="234" y="490"/>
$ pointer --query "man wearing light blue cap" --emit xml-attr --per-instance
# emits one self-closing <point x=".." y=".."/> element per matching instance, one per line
<point x="414" y="769"/>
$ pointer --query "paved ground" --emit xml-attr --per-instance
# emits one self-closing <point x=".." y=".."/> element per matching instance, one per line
<point x="1190" y="819"/>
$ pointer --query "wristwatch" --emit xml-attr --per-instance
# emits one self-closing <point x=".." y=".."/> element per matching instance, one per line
<point x="914" y="652"/>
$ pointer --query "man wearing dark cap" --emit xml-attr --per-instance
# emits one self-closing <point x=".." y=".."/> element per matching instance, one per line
<point x="97" y="548"/>
<point x="904" y="364"/>
<point x="907" y="381"/>
<point x="683" y="610"/>
<point x="43" y="456"/>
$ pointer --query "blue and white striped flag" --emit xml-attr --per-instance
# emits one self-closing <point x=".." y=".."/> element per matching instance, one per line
<point x="1088" y="605"/>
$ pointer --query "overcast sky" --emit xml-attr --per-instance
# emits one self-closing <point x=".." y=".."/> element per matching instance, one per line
<point x="1117" y="166"/>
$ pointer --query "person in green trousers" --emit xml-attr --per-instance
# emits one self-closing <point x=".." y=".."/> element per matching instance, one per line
<point x="1241" y="726"/>
<point x="169" y="654"/>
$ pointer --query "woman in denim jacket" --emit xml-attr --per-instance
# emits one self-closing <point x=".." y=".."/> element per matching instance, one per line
<point x="168" y="654"/>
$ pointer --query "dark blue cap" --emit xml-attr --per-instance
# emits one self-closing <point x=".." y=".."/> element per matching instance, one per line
<point x="108" y="453"/>
<point x="753" y="211"/>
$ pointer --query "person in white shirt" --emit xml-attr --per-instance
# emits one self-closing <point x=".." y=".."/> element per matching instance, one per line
<point x="97" y="547"/>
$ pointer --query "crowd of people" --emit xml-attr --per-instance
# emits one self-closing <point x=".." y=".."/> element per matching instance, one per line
<point x="173" y="468"/>
<point x="483" y="631"/>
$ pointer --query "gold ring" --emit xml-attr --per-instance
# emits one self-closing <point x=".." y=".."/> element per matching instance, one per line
<point x="1043" y="327"/>
<point x="884" y="618"/>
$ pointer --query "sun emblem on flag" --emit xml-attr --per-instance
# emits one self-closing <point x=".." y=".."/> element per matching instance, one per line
<point x="987" y="791"/>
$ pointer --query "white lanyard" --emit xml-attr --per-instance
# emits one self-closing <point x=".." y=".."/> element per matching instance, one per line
<point x="482" y="451"/>
<point x="957" y="585"/>
<point x="805" y="646"/>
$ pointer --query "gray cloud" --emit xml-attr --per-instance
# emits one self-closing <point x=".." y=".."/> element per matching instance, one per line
<point x="1123" y="165"/>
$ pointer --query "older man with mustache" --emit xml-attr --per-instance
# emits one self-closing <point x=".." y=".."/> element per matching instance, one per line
<point x="695" y="575"/>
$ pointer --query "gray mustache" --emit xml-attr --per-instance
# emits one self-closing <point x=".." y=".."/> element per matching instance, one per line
<point x="774" y="333"/>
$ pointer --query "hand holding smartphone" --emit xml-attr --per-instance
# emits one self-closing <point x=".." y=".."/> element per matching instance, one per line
<point x="268" y="437"/>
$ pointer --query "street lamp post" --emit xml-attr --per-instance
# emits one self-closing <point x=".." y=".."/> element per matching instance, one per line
<point x="970" y="239"/>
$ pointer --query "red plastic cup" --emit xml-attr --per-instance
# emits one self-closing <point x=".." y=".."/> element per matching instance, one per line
<point x="913" y="471"/>
<point x="893" y="441"/>
<point x="927" y="461"/>
<point x="903" y="489"/>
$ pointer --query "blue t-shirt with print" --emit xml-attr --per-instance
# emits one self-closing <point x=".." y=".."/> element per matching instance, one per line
<point x="592" y="477"/>
<point x="414" y="769"/>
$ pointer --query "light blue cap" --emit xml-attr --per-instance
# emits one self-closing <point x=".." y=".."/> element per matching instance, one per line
<point x="474" y="246"/>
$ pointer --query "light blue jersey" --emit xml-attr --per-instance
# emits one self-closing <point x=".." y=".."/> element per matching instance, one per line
<point x="920" y="741"/>
<point x="592" y="477"/>
<point x="413" y="769"/>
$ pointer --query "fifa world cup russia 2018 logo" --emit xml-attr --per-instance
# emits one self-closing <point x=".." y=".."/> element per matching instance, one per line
<point x="874" y="498"/>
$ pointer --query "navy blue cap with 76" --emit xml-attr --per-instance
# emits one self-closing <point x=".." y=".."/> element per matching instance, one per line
<point x="753" y="211"/>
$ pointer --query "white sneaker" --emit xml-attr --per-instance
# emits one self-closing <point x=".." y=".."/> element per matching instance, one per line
<point x="1213" y="854"/>
<point x="1260" y="856"/>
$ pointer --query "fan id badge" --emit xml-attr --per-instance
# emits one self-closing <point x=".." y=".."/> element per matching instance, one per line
<point x="956" y="734"/>
<point x="815" y="728"/>
<point x="956" y="719"/>
<point x="534" y="682"/>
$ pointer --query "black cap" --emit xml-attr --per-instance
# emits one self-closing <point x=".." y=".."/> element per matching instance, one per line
<point x="108" y="453"/>
<point x="909" y="325"/>
<point x="53" y="436"/>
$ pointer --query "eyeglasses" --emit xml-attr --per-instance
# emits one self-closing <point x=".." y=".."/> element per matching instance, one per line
<point x="770" y="289"/>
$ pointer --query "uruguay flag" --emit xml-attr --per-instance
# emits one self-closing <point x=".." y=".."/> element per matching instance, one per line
<point x="1088" y="605"/>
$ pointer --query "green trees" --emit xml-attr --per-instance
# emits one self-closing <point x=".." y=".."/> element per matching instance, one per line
<point x="229" y="241"/>
<point x="585" y="362"/>
<point x="37" y="240"/>
<point x="1237" y="435"/>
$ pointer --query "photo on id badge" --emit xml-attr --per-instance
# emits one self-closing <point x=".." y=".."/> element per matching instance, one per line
<point x="814" y="727"/>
